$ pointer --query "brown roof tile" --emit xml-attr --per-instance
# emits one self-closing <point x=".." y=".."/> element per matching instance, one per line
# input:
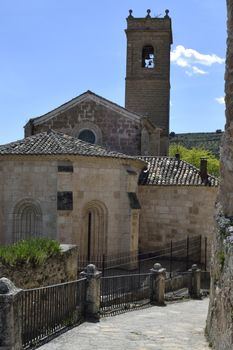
<point x="57" y="143"/>
<point x="167" y="171"/>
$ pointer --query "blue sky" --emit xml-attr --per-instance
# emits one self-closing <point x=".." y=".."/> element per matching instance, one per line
<point x="54" y="50"/>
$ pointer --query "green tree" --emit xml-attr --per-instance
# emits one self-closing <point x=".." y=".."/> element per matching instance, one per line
<point x="194" y="155"/>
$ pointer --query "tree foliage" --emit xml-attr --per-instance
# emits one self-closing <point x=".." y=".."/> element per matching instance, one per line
<point x="194" y="155"/>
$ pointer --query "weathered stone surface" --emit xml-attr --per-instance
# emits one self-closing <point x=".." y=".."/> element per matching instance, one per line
<point x="94" y="183"/>
<point x="92" y="310"/>
<point x="220" y="315"/>
<point x="195" y="282"/>
<point x="144" y="329"/>
<point x="172" y="212"/>
<point x="54" y="270"/>
<point x="111" y="128"/>
<point x="157" y="283"/>
<point x="10" y="316"/>
<point x="147" y="90"/>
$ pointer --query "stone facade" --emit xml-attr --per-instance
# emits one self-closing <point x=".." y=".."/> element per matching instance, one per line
<point x="54" y="270"/>
<point x="112" y="129"/>
<point x="26" y="179"/>
<point x="147" y="90"/>
<point x="220" y="315"/>
<point x="105" y="202"/>
<point x="142" y="127"/>
<point x="98" y="185"/>
<point x="174" y="212"/>
<point x="113" y="126"/>
<point x="94" y="199"/>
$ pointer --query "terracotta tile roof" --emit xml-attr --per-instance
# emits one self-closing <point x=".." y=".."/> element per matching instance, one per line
<point x="57" y="143"/>
<point x="165" y="171"/>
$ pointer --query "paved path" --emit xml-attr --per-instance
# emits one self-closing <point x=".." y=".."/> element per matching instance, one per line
<point x="178" y="326"/>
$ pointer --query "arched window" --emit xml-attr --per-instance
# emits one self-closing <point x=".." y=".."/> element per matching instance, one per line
<point x="27" y="220"/>
<point x="93" y="240"/>
<point x="87" y="136"/>
<point x="148" y="57"/>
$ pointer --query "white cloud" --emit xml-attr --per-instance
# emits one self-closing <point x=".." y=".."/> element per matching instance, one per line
<point x="189" y="73"/>
<point x="195" y="70"/>
<point x="190" y="58"/>
<point x="220" y="100"/>
<point x="198" y="71"/>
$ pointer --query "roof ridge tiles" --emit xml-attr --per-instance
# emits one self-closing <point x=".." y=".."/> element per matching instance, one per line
<point x="164" y="170"/>
<point x="53" y="142"/>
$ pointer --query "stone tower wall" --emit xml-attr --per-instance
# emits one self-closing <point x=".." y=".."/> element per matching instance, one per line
<point x="148" y="89"/>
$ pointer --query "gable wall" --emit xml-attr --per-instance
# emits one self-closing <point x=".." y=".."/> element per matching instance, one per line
<point x="114" y="131"/>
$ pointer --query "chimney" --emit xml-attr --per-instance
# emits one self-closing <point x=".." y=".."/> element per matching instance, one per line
<point x="203" y="170"/>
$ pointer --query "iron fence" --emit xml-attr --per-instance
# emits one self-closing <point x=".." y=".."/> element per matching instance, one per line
<point x="47" y="311"/>
<point x="175" y="255"/>
<point x="106" y="262"/>
<point x="124" y="292"/>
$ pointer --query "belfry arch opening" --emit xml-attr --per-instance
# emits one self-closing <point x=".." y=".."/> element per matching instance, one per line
<point x="148" y="57"/>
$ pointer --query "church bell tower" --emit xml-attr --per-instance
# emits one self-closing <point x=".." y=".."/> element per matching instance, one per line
<point x="147" y="90"/>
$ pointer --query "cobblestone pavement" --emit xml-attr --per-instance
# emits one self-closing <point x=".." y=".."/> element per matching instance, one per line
<point x="178" y="326"/>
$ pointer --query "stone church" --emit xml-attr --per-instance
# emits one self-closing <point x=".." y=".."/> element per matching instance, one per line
<point x="96" y="174"/>
<point x="142" y="127"/>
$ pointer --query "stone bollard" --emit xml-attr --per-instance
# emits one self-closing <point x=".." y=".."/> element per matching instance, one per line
<point x="195" y="282"/>
<point x="10" y="316"/>
<point x="92" y="308"/>
<point x="157" y="284"/>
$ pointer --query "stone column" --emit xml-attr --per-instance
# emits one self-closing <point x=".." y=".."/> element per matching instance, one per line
<point x="157" y="284"/>
<point x="195" y="282"/>
<point x="92" y="308"/>
<point x="10" y="316"/>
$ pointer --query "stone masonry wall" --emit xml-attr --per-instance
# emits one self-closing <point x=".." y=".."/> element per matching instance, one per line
<point x="22" y="179"/>
<point x="220" y="315"/>
<point x="173" y="213"/>
<point x="148" y="90"/>
<point x="112" y="129"/>
<point x="55" y="270"/>
<point x="97" y="183"/>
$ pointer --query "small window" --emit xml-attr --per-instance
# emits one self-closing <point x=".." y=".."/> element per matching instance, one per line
<point x="148" y="57"/>
<point x="64" y="201"/>
<point x="87" y="136"/>
<point x="65" y="168"/>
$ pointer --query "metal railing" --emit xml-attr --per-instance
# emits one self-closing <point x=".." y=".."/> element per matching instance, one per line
<point x="47" y="311"/>
<point x="124" y="292"/>
<point x="176" y="256"/>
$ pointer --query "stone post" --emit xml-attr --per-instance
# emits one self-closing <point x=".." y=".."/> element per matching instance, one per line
<point x="157" y="284"/>
<point x="10" y="316"/>
<point x="195" y="282"/>
<point x="92" y="308"/>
